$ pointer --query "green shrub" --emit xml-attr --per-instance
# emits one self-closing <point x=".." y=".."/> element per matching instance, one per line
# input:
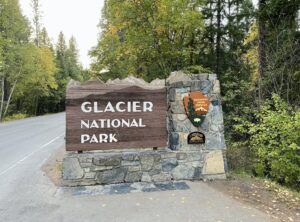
<point x="16" y="116"/>
<point x="275" y="142"/>
<point x="196" y="69"/>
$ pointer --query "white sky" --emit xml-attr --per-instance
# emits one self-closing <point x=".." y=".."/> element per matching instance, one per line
<point x="74" y="17"/>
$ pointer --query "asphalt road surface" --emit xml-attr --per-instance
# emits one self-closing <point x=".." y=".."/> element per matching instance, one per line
<point x="28" y="195"/>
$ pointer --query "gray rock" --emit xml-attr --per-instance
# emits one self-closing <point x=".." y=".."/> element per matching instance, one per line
<point x="116" y="175"/>
<point x="196" y="85"/>
<point x="173" y="140"/>
<point x="205" y="124"/>
<point x="182" y="126"/>
<point x="169" y="164"/>
<point x="217" y="115"/>
<point x="178" y="76"/>
<point x="194" y="156"/>
<point x="134" y="168"/>
<point x="183" y="172"/>
<point x="146" y="178"/>
<point x="172" y="94"/>
<point x="133" y="177"/>
<point x="178" y="84"/>
<point x="90" y="175"/>
<point x="158" y="82"/>
<point x="169" y="154"/>
<point x="108" y="160"/>
<point x="206" y="86"/>
<point x="130" y="163"/>
<point x="100" y="168"/>
<point x="130" y="156"/>
<point x="147" y="162"/>
<point x="181" y="156"/>
<point x="217" y="87"/>
<point x="179" y="117"/>
<point x="162" y="177"/>
<point x="215" y="141"/>
<point x="157" y="169"/>
<point x="202" y="77"/>
<point x="182" y="90"/>
<point x="177" y="107"/>
<point x="212" y="77"/>
<point x="72" y="169"/>
<point x="197" y="173"/>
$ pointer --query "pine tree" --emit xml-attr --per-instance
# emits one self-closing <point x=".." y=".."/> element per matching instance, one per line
<point x="45" y="39"/>
<point x="37" y="15"/>
<point x="72" y="59"/>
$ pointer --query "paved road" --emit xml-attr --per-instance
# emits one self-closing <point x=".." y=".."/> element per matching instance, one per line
<point x="27" y="195"/>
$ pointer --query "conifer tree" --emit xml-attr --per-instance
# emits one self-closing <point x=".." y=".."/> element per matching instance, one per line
<point x="37" y="15"/>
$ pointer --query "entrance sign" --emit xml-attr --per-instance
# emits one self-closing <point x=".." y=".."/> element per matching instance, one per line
<point x="101" y="117"/>
<point x="196" y="106"/>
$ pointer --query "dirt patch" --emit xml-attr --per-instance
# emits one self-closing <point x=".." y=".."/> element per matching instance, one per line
<point x="279" y="202"/>
<point x="53" y="166"/>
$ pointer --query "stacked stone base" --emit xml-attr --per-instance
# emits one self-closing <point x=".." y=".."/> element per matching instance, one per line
<point x="161" y="165"/>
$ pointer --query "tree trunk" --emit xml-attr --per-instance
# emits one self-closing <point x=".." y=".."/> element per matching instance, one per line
<point x="218" y="41"/>
<point x="9" y="97"/>
<point x="2" y="99"/>
<point x="261" y="45"/>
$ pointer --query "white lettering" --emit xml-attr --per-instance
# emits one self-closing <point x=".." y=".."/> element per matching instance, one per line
<point x="85" y="108"/>
<point x="85" y="138"/>
<point x="103" y="138"/>
<point x="136" y="107"/>
<point x="118" y="107"/>
<point x="112" y="138"/>
<point x="109" y="108"/>
<point x="85" y="124"/>
<point x="116" y="123"/>
<point x="148" y="107"/>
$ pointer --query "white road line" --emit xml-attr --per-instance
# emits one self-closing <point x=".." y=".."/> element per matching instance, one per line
<point x="29" y="155"/>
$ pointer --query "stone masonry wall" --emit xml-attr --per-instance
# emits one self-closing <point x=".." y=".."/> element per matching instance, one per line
<point x="178" y="161"/>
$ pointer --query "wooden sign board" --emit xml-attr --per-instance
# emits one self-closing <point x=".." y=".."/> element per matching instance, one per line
<point x="101" y="117"/>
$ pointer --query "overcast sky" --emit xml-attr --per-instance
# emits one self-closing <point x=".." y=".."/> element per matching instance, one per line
<point x="74" y="17"/>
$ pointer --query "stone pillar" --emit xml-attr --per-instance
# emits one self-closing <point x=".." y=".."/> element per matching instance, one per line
<point x="205" y="160"/>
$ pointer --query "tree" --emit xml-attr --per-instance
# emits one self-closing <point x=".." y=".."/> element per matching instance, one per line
<point x="74" y="70"/>
<point x="148" y="38"/>
<point x="37" y="77"/>
<point x="45" y="39"/>
<point x="36" y="21"/>
<point x="15" y="31"/>
<point x="279" y="48"/>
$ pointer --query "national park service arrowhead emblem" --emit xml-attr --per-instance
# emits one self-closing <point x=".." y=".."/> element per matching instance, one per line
<point x="196" y="106"/>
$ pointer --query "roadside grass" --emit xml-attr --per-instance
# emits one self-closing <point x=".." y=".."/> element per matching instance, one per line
<point x="16" y="116"/>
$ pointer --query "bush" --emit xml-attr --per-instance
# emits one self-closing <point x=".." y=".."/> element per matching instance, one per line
<point x="275" y="142"/>
<point x="15" y="117"/>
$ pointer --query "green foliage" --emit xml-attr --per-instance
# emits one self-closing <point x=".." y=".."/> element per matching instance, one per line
<point x="14" y="117"/>
<point x="274" y="139"/>
<point x="196" y="69"/>
<point x="148" y="38"/>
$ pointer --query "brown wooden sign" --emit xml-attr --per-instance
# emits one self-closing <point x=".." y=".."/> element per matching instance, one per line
<point x="200" y="102"/>
<point x="101" y="117"/>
